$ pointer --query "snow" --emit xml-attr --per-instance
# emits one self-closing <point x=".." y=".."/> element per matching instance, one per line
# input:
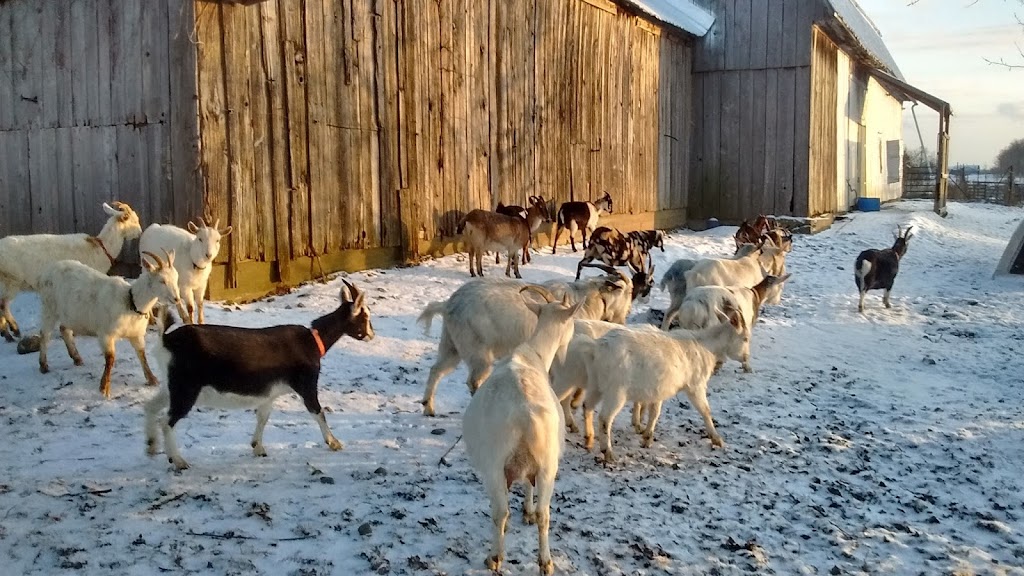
<point x="889" y="442"/>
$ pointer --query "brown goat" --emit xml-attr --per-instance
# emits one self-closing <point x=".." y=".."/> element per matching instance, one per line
<point x="751" y="233"/>
<point x="483" y="230"/>
<point x="535" y="215"/>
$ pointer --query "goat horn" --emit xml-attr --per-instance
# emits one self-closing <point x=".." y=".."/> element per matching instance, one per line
<point x="156" y="259"/>
<point x="544" y="292"/>
<point x="169" y="255"/>
<point x="216" y="224"/>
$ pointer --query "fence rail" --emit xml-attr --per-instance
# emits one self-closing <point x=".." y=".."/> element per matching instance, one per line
<point x="993" y="188"/>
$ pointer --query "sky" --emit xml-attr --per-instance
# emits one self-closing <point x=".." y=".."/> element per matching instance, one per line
<point x="941" y="47"/>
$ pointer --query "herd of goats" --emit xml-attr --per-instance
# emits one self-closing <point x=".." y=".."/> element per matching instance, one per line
<point x="535" y="352"/>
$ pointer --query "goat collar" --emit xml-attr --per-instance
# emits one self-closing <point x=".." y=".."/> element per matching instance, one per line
<point x="319" y="342"/>
<point x="131" y="303"/>
<point x="104" y="248"/>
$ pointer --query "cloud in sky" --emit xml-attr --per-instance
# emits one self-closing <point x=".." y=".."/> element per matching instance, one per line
<point x="1012" y="110"/>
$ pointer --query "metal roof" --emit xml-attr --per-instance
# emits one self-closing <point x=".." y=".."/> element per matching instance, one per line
<point x="863" y="31"/>
<point x="682" y="14"/>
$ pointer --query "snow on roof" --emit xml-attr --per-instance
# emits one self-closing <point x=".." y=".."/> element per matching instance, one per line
<point x="865" y="32"/>
<point x="682" y="14"/>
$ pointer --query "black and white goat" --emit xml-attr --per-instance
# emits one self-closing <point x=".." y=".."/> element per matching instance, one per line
<point x="582" y="216"/>
<point x="230" y="367"/>
<point x="877" y="269"/>
<point x="617" y="249"/>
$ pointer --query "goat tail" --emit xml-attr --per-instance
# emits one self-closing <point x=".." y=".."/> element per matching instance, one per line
<point x="861" y="272"/>
<point x="427" y="317"/>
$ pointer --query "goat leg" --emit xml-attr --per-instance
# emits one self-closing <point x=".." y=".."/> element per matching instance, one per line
<point x="108" y="367"/>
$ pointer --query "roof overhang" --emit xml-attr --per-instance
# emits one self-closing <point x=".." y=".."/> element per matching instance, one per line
<point x="682" y="14"/>
<point x="907" y="92"/>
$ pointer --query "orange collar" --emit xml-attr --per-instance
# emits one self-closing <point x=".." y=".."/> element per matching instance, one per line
<point x="319" y="342"/>
<point x="96" y="240"/>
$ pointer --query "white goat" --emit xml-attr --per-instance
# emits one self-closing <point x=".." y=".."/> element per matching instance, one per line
<point x="486" y="319"/>
<point x="196" y="249"/>
<point x="79" y="299"/>
<point x="747" y="270"/>
<point x="22" y="258"/>
<point x="569" y="374"/>
<point x="698" y="309"/>
<point x="513" y="428"/>
<point x="650" y="366"/>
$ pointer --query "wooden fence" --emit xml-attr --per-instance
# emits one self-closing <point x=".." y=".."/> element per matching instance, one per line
<point x="994" y="188"/>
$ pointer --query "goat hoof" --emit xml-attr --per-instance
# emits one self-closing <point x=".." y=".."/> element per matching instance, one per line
<point x="44" y="368"/>
<point x="8" y="337"/>
<point x="546" y="566"/>
<point x="717" y="442"/>
<point x="647" y="442"/>
<point x="573" y="428"/>
<point x="529" y="517"/>
<point x="151" y="447"/>
<point x="179" y="463"/>
<point x="609" y="457"/>
<point x="259" y="451"/>
<point x="493" y="563"/>
<point x="16" y="331"/>
<point x="335" y="445"/>
<point x="588" y="443"/>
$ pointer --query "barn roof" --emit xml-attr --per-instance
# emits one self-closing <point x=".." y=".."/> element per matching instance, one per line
<point x="682" y="14"/>
<point x="853" y="28"/>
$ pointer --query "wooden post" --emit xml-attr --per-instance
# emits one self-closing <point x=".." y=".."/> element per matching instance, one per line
<point x="942" y="184"/>
<point x="1009" y="190"/>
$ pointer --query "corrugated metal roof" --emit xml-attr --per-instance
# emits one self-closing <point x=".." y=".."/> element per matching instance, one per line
<point x="682" y="14"/>
<point x="865" y="32"/>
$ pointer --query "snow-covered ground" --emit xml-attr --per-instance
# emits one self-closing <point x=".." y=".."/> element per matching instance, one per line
<point x="891" y="442"/>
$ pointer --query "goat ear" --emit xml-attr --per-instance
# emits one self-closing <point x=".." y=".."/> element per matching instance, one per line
<point x="359" y="302"/>
<point x="170" y="257"/>
<point x="111" y="211"/>
<point x="907" y="234"/>
<point x="192" y="227"/>
<point x="225" y="231"/>
<point x="534" y="307"/>
<point x="781" y="279"/>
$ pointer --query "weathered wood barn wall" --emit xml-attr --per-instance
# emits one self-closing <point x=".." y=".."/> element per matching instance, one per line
<point x="788" y="92"/>
<point x="86" y="115"/>
<point x="753" y="116"/>
<point x="335" y="133"/>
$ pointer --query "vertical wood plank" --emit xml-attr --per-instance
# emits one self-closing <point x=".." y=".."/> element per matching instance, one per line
<point x="759" y="19"/>
<point x="240" y="206"/>
<point x="758" y="142"/>
<point x="293" y="39"/>
<point x="183" y="134"/>
<point x="63" y="60"/>
<point x="730" y="206"/>
<point x="105" y="31"/>
<point x="20" y="179"/>
<point x="712" y="186"/>
<point x="6" y="71"/>
<point x="744" y="168"/>
<point x="792" y="29"/>
<point x="26" y="70"/>
<point x="387" y="81"/>
<point x="322" y="168"/>
<point x="785" y="139"/>
<point x="368" y="233"/>
<point x="213" y="119"/>
<point x="695" y="197"/>
<point x="801" y="142"/>
<point x="42" y="149"/>
<point x="776" y="14"/>
<point x="62" y="174"/>
<point x="278" y="138"/>
<point x="771" y="128"/>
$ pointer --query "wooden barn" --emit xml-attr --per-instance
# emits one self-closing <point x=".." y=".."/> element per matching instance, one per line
<point x="340" y="134"/>
<point x="798" y="111"/>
